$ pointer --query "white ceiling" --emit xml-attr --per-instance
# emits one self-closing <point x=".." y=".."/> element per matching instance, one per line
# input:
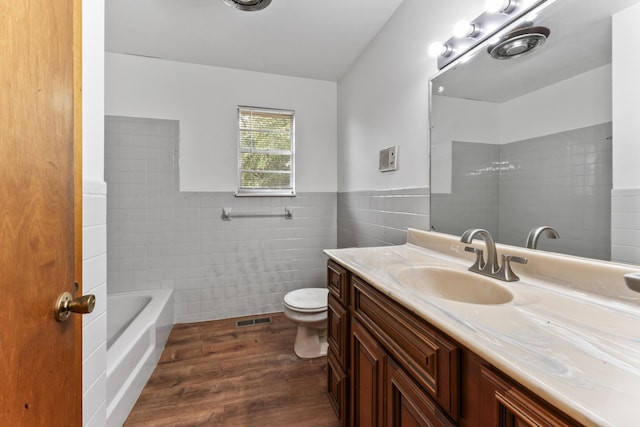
<point x="315" y="39"/>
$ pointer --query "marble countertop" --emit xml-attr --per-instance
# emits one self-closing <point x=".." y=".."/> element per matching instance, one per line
<point x="574" y="343"/>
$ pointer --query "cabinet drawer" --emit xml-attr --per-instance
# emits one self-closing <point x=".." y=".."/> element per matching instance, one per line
<point x="427" y="356"/>
<point x="338" y="330"/>
<point x="503" y="403"/>
<point x="408" y="405"/>
<point x="338" y="282"/>
<point x="337" y="388"/>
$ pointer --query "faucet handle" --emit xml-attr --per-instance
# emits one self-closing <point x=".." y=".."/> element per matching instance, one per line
<point x="518" y="259"/>
<point x="505" y="273"/>
<point x="479" y="264"/>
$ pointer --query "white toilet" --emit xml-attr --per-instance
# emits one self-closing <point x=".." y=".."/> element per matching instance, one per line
<point x="308" y="309"/>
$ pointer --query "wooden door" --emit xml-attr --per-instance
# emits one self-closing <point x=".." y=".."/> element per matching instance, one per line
<point x="40" y="214"/>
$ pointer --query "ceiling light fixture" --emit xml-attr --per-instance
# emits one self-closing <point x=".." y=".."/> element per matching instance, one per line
<point x="248" y="5"/>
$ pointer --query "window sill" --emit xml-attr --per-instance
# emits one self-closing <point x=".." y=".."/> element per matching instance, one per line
<point x="266" y="193"/>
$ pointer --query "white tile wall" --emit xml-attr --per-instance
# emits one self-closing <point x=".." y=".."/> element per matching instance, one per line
<point x="159" y="237"/>
<point x="625" y="226"/>
<point x="94" y="325"/>
<point x="379" y="218"/>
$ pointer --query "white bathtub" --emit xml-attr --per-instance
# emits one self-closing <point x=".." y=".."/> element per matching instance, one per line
<point x="138" y="325"/>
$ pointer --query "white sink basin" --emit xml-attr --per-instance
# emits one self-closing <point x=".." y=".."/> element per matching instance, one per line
<point x="455" y="285"/>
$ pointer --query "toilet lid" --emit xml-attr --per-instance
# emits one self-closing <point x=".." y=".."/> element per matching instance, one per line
<point x="307" y="300"/>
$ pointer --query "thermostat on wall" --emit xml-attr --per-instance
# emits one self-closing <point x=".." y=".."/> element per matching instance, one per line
<point x="388" y="159"/>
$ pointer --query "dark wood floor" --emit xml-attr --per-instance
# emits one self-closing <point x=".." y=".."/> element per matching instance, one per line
<point x="214" y="374"/>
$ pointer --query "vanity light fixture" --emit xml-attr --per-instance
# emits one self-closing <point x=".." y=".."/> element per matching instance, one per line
<point x="499" y="16"/>
<point x="499" y="6"/>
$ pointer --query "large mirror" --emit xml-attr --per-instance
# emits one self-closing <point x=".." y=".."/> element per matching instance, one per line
<point x="525" y="142"/>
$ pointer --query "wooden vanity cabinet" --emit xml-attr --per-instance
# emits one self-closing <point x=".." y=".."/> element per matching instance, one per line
<point x="389" y="367"/>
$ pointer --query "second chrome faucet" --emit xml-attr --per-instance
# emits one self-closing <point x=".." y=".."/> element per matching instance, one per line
<point x="490" y="267"/>
<point x="534" y="235"/>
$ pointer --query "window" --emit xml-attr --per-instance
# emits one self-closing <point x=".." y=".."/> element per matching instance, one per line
<point x="265" y="152"/>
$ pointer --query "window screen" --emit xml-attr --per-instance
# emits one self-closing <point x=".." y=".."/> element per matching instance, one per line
<point x="266" y="151"/>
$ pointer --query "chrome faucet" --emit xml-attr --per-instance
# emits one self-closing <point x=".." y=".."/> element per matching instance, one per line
<point x="490" y="267"/>
<point x="534" y="235"/>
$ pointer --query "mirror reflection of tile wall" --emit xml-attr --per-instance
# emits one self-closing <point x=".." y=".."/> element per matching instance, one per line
<point x="565" y="178"/>
<point x="475" y="195"/>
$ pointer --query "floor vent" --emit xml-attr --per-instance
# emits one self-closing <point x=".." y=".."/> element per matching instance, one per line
<point x="253" y="322"/>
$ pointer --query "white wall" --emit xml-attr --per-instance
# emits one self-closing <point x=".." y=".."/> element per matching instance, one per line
<point x="626" y="99"/>
<point x="94" y="242"/>
<point x="204" y="99"/>
<point x="93" y="89"/>
<point x="383" y="99"/>
<point x="456" y="119"/>
<point x="574" y="103"/>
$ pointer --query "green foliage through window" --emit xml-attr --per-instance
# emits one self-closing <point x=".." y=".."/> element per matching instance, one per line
<point x="266" y="148"/>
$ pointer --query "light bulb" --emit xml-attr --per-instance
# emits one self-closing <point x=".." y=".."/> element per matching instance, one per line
<point x="436" y="49"/>
<point x="464" y="29"/>
<point x="498" y="6"/>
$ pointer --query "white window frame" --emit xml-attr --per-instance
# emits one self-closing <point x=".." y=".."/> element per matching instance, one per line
<point x="280" y="192"/>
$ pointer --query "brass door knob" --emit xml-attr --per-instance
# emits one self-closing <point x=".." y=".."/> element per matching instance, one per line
<point x="66" y="304"/>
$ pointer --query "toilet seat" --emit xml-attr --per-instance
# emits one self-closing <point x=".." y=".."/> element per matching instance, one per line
<point x="308" y="300"/>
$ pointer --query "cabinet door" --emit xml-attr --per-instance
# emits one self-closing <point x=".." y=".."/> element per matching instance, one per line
<point x="504" y="404"/>
<point x="338" y="330"/>
<point x="367" y="378"/>
<point x="409" y="405"/>
<point x="337" y="389"/>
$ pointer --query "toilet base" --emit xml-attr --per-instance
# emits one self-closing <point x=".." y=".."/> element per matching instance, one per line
<point x="310" y="343"/>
